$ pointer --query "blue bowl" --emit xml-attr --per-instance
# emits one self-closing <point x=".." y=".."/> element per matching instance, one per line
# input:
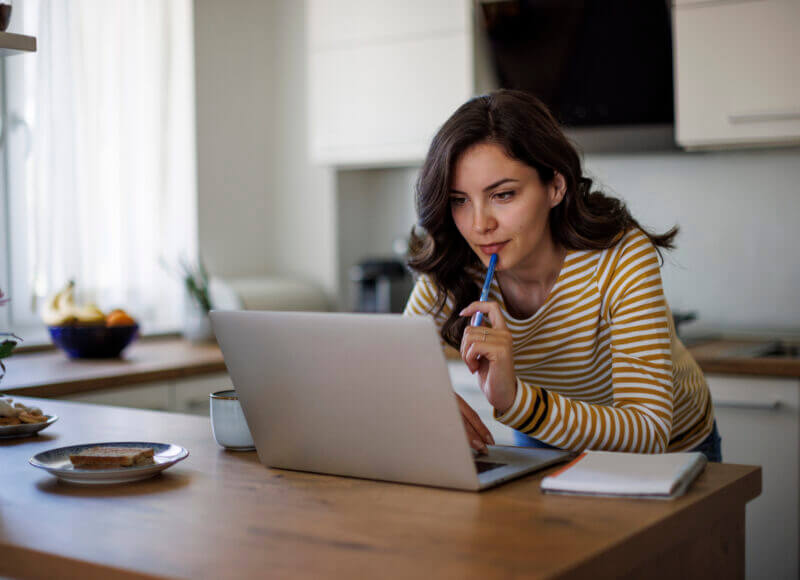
<point x="93" y="341"/>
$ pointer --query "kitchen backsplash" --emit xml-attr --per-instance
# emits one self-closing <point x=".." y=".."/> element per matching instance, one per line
<point x="736" y="262"/>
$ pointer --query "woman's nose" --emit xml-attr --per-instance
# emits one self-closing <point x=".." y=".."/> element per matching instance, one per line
<point x="483" y="221"/>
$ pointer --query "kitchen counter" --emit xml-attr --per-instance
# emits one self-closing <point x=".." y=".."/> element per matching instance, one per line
<point x="736" y="357"/>
<point x="50" y="373"/>
<point x="221" y="514"/>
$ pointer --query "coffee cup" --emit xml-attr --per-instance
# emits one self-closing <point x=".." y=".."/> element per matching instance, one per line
<point x="228" y="423"/>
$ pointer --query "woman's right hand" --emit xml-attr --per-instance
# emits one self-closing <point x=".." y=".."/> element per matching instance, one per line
<point x="478" y="434"/>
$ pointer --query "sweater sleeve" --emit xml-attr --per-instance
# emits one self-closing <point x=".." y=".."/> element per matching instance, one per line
<point x="640" y="416"/>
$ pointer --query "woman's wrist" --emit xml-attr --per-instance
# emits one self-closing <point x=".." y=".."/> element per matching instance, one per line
<point x="505" y="403"/>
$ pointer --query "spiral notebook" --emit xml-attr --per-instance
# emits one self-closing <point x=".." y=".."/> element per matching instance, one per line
<point x="636" y="475"/>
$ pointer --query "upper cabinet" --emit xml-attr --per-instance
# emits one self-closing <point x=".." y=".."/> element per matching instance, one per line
<point x="737" y="72"/>
<point x="384" y="75"/>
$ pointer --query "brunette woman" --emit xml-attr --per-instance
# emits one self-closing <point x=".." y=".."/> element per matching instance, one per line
<point x="580" y="350"/>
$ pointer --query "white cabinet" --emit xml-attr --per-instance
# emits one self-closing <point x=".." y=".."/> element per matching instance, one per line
<point x="191" y="394"/>
<point x="153" y="396"/>
<point x="759" y="422"/>
<point x="187" y="395"/>
<point x="737" y="72"/>
<point x="384" y="75"/>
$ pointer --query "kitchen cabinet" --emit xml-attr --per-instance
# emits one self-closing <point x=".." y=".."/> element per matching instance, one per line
<point x="383" y="76"/>
<point x="759" y="422"/>
<point x="737" y="72"/>
<point x="188" y="395"/>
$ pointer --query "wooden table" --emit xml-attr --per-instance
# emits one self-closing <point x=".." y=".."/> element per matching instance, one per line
<point x="221" y="514"/>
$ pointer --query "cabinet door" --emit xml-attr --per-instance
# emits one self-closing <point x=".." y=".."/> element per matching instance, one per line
<point x="337" y="23"/>
<point x="737" y="70"/>
<point x="758" y="420"/>
<point x="378" y="95"/>
<point x="191" y="394"/>
<point x="153" y="396"/>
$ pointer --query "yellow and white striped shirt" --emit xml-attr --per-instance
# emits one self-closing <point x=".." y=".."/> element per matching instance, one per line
<point x="599" y="365"/>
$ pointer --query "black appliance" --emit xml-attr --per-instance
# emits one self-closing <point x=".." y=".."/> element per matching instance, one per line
<point x="381" y="285"/>
<point x="593" y="62"/>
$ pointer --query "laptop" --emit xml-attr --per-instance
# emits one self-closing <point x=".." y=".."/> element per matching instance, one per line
<point x="358" y="395"/>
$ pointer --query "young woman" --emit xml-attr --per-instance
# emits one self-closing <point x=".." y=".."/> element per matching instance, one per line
<point x="580" y="350"/>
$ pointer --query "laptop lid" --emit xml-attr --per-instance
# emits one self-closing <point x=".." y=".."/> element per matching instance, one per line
<point x="361" y="395"/>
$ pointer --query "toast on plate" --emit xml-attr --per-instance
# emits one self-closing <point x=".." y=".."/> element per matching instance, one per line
<point x="109" y="457"/>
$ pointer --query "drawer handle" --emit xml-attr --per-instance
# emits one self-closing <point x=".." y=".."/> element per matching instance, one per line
<point x="760" y="405"/>
<point x="763" y="116"/>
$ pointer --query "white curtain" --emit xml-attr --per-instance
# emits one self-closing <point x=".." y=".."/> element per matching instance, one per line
<point x="106" y="107"/>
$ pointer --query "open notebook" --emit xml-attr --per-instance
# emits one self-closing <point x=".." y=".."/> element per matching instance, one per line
<point x="615" y="474"/>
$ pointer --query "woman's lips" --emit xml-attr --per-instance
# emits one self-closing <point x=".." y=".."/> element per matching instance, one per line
<point x="490" y="249"/>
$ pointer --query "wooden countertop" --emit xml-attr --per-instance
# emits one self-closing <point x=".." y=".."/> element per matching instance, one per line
<point x="716" y="356"/>
<point x="221" y="514"/>
<point x="51" y="374"/>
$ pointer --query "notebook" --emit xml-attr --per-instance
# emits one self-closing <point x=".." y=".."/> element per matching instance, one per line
<point x="616" y="474"/>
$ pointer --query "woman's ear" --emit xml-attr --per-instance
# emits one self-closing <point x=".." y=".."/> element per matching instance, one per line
<point x="558" y="188"/>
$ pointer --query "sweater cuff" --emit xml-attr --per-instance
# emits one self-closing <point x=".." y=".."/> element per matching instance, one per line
<point x="512" y="414"/>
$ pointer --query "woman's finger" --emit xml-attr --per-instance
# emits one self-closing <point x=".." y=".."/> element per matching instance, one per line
<point x="471" y="417"/>
<point x="473" y="438"/>
<point x="490" y="309"/>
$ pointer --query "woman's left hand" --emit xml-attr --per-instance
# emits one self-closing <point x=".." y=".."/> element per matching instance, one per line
<point x="488" y="351"/>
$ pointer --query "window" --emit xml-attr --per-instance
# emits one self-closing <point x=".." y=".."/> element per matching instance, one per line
<point x="99" y="156"/>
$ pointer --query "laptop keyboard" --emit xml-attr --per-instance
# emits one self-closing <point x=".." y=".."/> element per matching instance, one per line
<point x="484" y="466"/>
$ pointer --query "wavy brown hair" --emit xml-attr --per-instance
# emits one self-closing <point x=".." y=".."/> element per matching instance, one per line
<point x="521" y="124"/>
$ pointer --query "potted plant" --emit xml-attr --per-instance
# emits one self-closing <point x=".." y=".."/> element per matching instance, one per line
<point x="196" y="323"/>
<point x="6" y="345"/>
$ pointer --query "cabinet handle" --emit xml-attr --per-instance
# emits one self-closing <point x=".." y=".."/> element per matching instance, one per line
<point x="763" y="116"/>
<point x="759" y="405"/>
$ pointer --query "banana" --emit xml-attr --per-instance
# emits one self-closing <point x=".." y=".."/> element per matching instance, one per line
<point x="61" y="309"/>
<point x="89" y="314"/>
<point x="52" y="313"/>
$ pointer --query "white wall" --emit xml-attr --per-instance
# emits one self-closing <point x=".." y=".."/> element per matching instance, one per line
<point x="263" y="210"/>
<point x="736" y="263"/>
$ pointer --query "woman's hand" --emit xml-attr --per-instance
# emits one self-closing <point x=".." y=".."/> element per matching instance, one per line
<point x="488" y="351"/>
<point x="477" y="433"/>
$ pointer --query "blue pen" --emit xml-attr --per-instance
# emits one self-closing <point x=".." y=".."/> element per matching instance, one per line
<point x="478" y="318"/>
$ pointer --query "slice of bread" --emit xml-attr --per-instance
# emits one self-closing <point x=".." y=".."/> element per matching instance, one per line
<point x="108" y="457"/>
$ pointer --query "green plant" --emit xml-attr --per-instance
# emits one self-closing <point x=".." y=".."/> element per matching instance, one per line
<point x="7" y="345"/>
<point x="195" y="281"/>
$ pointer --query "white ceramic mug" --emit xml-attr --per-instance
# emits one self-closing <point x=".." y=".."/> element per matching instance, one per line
<point x="228" y="423"/>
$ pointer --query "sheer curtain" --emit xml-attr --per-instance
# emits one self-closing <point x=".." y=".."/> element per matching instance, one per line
<point x="102" y="154"/>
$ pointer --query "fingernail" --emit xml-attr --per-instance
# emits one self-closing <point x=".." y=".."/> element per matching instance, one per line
<point x="462" y="312"/>
<point x="477" y="445"/>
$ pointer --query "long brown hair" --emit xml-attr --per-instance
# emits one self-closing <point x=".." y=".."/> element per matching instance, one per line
<point x="521" y="124"/>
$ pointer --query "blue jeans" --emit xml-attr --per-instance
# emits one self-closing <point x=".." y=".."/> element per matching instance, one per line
<point x="711" y="446"/>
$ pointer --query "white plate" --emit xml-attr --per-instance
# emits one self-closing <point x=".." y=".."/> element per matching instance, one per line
<point x="26" y="429"/>
<point x="57" y="462"/>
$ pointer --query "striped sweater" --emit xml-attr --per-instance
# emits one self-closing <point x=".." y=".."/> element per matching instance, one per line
<point x="599" y="365"/>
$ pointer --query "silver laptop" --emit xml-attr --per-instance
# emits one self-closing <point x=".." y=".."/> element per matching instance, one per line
<point x="359" y="395"/>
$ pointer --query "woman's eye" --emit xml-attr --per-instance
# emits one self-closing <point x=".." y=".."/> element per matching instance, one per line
<point x="457" y="201"/>
<point x="503" y="195"/>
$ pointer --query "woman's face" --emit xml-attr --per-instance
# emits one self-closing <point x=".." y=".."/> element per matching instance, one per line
<point x="501" y="207"/>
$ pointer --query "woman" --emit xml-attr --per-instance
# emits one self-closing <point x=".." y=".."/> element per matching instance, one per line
<point x="580" y="351"/>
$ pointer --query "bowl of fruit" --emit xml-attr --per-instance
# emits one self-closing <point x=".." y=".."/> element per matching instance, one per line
<point x="85" y="331"/>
